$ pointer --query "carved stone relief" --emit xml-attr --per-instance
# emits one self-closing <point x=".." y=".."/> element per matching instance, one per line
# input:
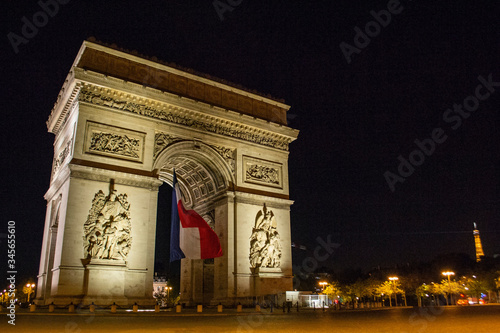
<point x="160" y="113"/>
<point x="227" y="154"/>
<point x="114" y="142"/>
<point x="262" y="172"/>
<point x="163" y="140"/>
<point x="209" y="217"/>
<point x="61" y="157"/>
<point x="265" y="243"/>
<point x="107" y="229"/>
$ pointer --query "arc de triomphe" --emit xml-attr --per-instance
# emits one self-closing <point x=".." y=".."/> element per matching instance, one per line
<point x="122" y="122"/>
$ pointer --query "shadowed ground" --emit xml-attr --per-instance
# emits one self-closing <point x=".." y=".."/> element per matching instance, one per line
<point x="452" y="319"/>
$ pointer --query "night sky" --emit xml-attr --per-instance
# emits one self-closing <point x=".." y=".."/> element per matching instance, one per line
<point x="355" y="118"/>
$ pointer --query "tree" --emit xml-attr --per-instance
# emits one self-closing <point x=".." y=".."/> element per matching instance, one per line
<point x="360" y="289"/>
<point x="332" y="290"/>
<point x="421" y="291"/>
<point x="475" y="286"/>
<point x="450" y="288"/>
<point x="439" y="289"/>
<point x="389" y="288"/>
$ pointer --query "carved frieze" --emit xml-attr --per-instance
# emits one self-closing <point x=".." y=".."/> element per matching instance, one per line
<point x="114" y="142"/>
<point x="167" y="115"/>
<point x="107" y="229"/>
<point x="265" y="242"/>
<point x="262" y="172"/>
<point x="61" y="157"/>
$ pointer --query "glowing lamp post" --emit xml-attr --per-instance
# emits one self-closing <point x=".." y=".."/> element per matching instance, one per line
<point x="323" y="284"/>
<point x="30" y="290"/>
<point x="448" y="274"/>
<point x="392" y="279"/>
<point x="168" y="295"/>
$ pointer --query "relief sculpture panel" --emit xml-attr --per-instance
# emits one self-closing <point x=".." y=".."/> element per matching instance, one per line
<point x="114" y="142"/>
<point x="61" y="157"/>
<point x="265" y="242"/>
<point x="262" y="172"/>
<point x="107" y="229"/>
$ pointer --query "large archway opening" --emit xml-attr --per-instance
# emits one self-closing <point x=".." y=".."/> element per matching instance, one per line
<point x="204" y="178"/>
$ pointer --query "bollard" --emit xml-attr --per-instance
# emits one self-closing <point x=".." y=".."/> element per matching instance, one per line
<point x="135" y="307"/>
<point x="219" y="308"/>
<point x="178" y="308"/>
<point x="113" y="308"/>
<point x="297" y="306"/>
<point x="199" y="308"/>
<point x="92" y="307"/>
<point x="238" y="307"/>
<point x="257" y="308"/>
<point x="32" y="307"/>
<point x="283" y="307"/>
<point x="157" y="308"/>
<point x="51" y="307"/>
<point x="323" y="306"/>
<point x="272" y="307"/>
<point x="71" y="307"/>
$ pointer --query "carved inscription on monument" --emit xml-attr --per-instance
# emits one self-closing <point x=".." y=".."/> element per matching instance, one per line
<point x="114" y="142"/>
<point x="107" y="229"/>
<point x="262" y="172"/>
<point x="265" y="243"/>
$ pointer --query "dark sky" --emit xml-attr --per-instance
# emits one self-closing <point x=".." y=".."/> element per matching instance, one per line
<point x="355" y="118"/>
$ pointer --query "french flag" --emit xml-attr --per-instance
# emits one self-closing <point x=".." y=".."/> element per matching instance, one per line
<point x="191" y="237"/>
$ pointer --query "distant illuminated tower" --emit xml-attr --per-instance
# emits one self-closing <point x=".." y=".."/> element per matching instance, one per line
<point x="477" y="241"/>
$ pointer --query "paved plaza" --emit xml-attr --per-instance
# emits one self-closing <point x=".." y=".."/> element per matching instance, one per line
<point x="401" y="320"/>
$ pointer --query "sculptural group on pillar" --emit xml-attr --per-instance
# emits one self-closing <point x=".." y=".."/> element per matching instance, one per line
<point x="107" y="229"/>
<point x="265" y="242"/>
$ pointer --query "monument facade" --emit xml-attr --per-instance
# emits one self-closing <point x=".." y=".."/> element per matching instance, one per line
<point x="122" y="123"/>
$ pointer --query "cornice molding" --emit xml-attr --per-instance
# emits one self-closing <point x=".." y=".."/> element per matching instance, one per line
<point x="101" y="175"/>
<point x="256" y="199"/>
<point x="127" y="102"/>
<point x="64" y="103"/>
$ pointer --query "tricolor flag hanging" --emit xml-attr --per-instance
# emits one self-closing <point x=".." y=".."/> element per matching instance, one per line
<point x="191" y="237"/>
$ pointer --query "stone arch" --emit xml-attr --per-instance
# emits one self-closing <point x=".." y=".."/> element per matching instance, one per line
<point x="204" y="177"/>
<point x="119" y="134"/>
<point x="202" y="172"/>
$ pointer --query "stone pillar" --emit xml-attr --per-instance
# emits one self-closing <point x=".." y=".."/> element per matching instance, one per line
<point x="124" y="273"/>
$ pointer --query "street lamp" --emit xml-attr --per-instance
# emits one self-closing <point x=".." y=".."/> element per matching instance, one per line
<point x="323" y="284"/>
<point x="448" y="274"/>
<point x="30" y="290"/>
<point x="168" y="294"/>
<point x="392" y="279"/>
